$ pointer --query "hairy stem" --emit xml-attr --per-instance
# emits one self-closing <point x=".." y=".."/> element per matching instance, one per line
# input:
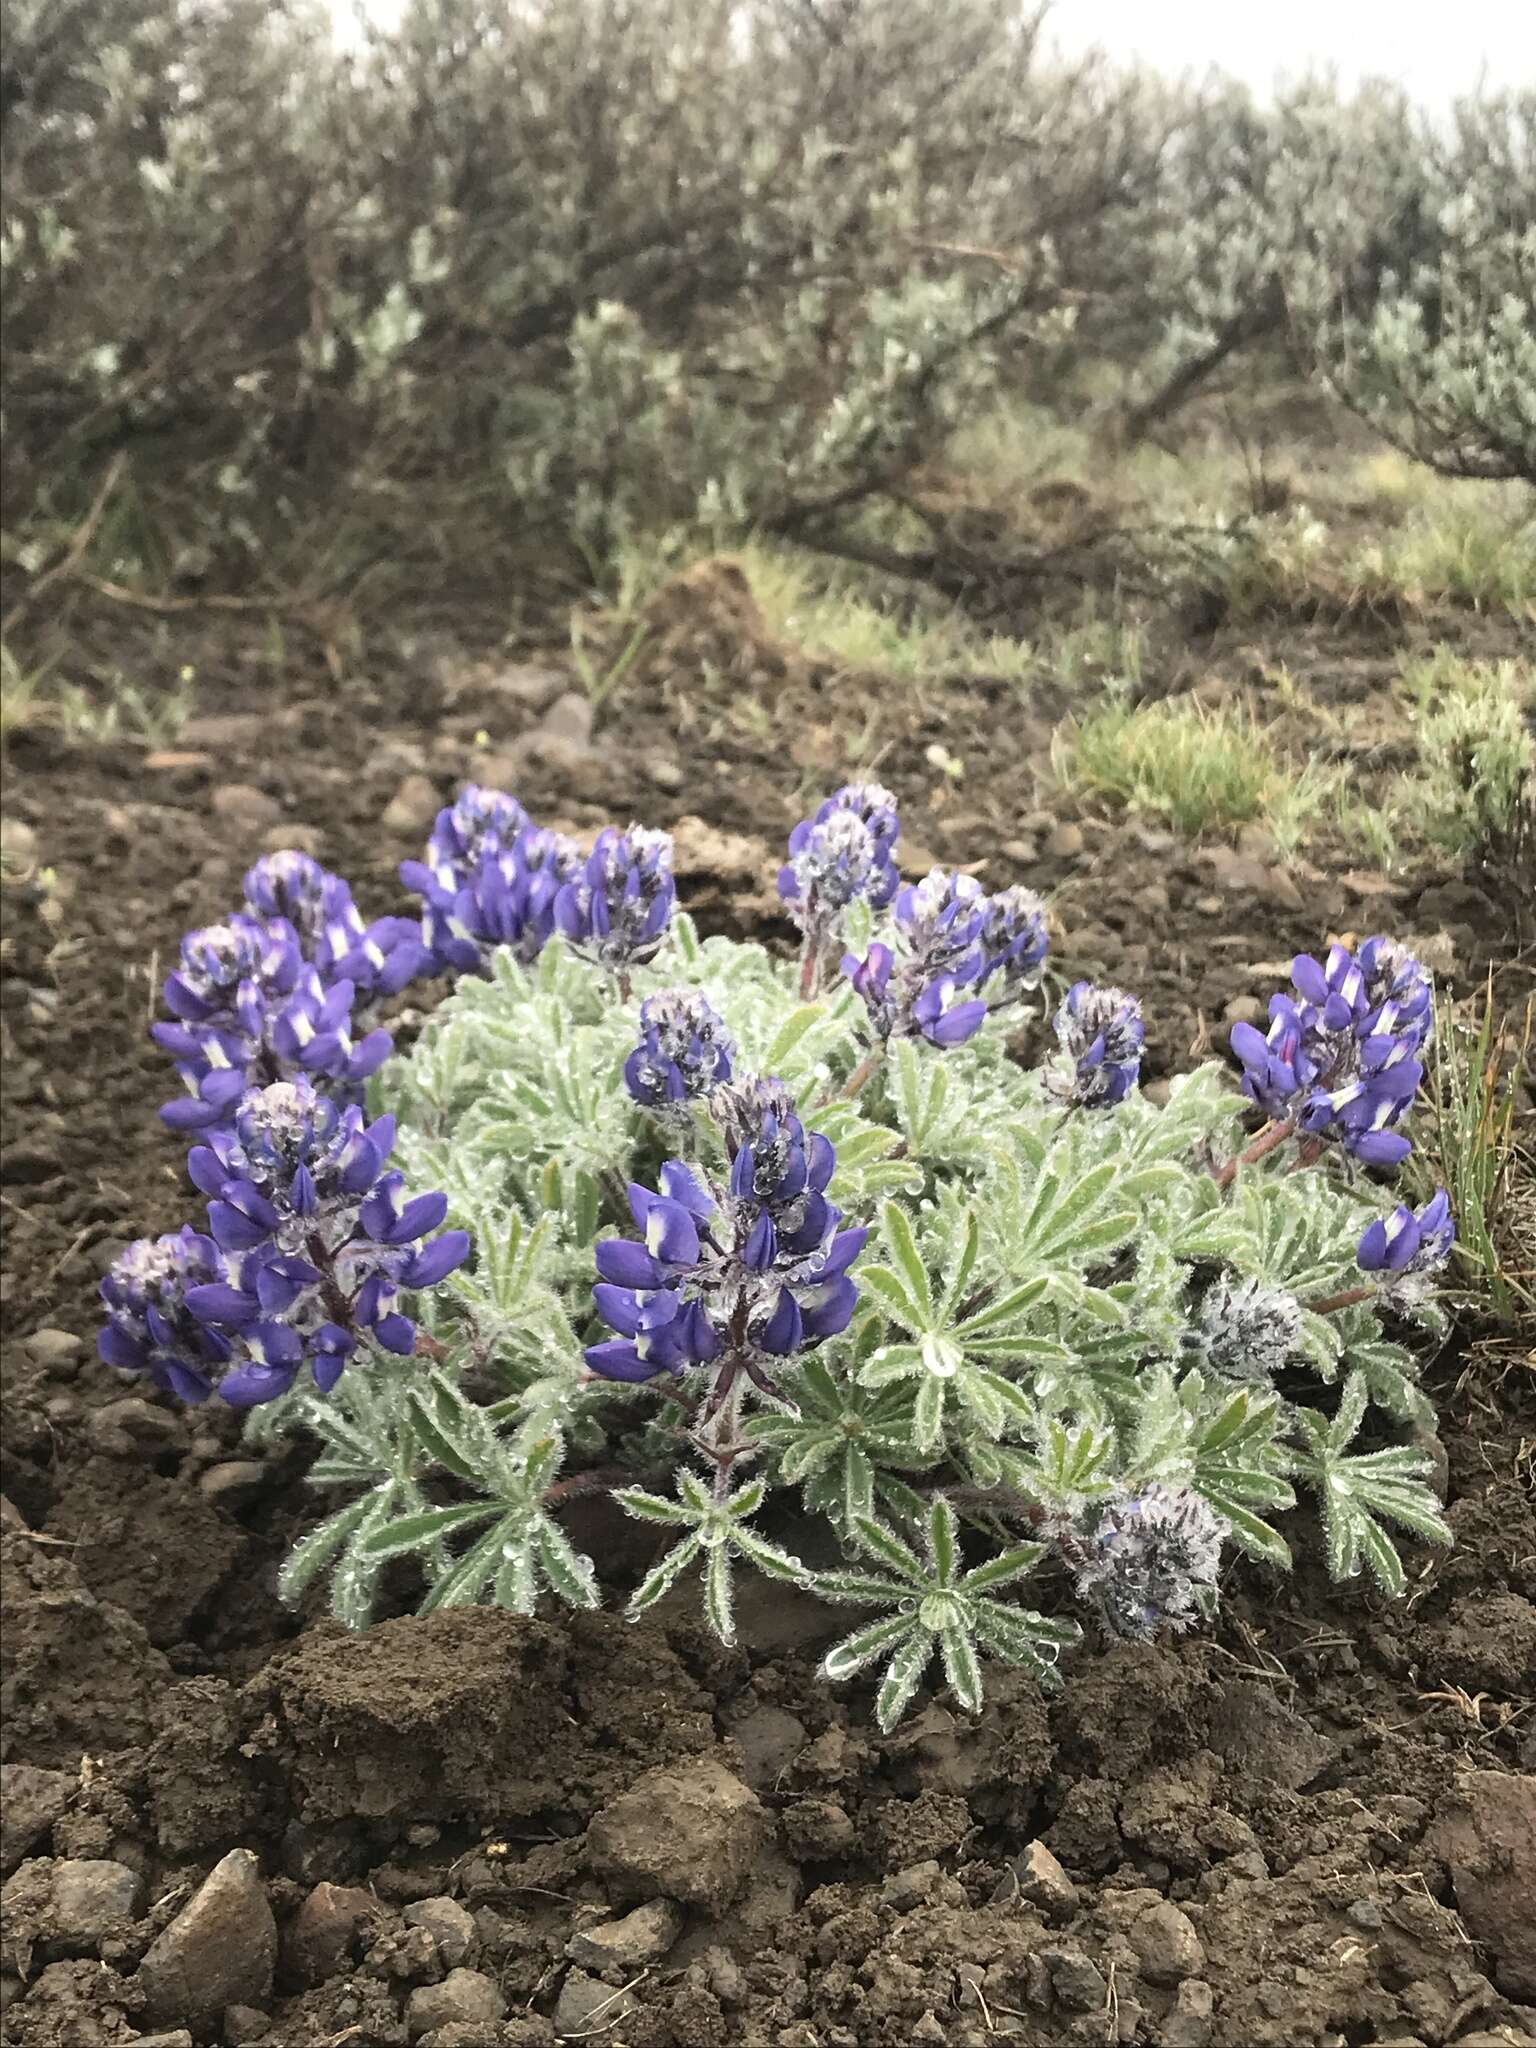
<point x="810" y="966"/>
<point x="581" y="1485"/>
<point x="862" y="1073"/>
<point x="1269" y="1137"/>
<point x="1347" y="1297"/>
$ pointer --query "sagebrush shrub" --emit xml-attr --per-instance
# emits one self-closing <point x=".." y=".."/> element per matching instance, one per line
<point x="797" y="1263"/>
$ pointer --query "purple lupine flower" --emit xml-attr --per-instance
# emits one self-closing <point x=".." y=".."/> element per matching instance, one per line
<point x="489" y="879"/>
<point x="290" y="887"/>
<point x="477" y="822"/>
<point x="619" y="903"/>
<point x="1101" y="1035"/>
<point x="1014" y="941"/>
<point x="509" y="900"/>
<point x="929" y="990"/>
<point x="1404" y="1249"/>
<point x="1149" y="1559"/>
<point x="249" y="1004"/>
<point x="1340" y="1057"/>
<point x="149" y="1326"/>
<point x="684" y="1050"/>
<point x="378" y="959"/>
<point x="222" y="995"/>
<point x="841" y="855"/>
<point x="942" y="919"/>
<point x="730" y="1276"/>
<point x="316" y="1240"/>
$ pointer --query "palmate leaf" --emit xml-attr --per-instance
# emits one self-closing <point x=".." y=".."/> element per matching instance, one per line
<point x="941" y="1610"/>
<point x="718" y="1530"/>
<point x="1357" y="1491"/>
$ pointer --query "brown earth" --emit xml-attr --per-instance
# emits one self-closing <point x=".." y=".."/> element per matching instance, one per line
<point x="1312" y="1826"/>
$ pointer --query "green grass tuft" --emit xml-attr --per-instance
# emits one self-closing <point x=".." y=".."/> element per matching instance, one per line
<point x="1467" y="1144"/>
<point x="1204" y="771"/>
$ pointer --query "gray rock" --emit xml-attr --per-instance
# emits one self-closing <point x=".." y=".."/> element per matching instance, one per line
<point x="524" y="683"/>
<point x="665" y="775"/>
<point x="1189" y="2024"/>
<point x="218" y="1951"/>
<point x="19" y="841"/>
<point x="246" y="808"/>
<point x="1076" y="1980"/>
<point x="451" y="1928"/>
<point x="92" y="1898"/>
<point x="244" y="2024"/>
<point x="463" y="1996"/>
<point x="641" y="1937"/>
<point x="568" y="719"/>
<point x="1064" y="842"/>
<point x="30" y="1163"/>
<point x="1039" y="1877"/>
<point x="586" y="2008"/>
<point x="768" y="1739"/>
<point x="230" y="1484"/>
<point x="1166" y="1941"/>
<point x="722" y="1975"/>
<point x="290" y="838"/>
<point x="31" y="1800"/>
<point x="325" y="1935"/>
<point x="53" y="1348"/>
<point x="412" y="807"/>
<point x="222" y="730"/>
<point x="1487" y="1838"/>
<point x="177" y="2038"/>
<point x="687" y="1831"/>
<point x="131" y="1426"/>
<point x="907" y="1888"/>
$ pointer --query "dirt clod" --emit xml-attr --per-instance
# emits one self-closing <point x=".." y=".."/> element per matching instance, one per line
<point x="464" y="1996"/>
<point x="30" y="1802"/>
<point x="1488" y="1839"/>
<point x="641" y="1937"/>
<point x="689" y="1831"/>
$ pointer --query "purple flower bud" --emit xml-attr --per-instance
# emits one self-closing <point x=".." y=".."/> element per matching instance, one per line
<point x="617" y="907"/>
<point x="1149" y="1560"/>
<point x="1246" y="1331"/>
<point x="684" y="1051"/>
<point x="841" y="855"/>
<point x="1405" y="1249"/>
<point x="1341" y="1056"/>
<point x="1101" y="1034"/>
<point x="311" y="1242"/>
<point x="150" y="1326"/>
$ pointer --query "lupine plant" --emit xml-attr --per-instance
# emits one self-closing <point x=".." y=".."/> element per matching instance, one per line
<point x="798" y="1264"/>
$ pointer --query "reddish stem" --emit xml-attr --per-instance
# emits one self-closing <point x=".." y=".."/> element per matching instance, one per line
<point x="862" y="1073"/>
<point x="582" y="1484"/>
<point x="810" y="961"/>
<point x="1272" y="1135"/>
<point x="1345" y="1298"/>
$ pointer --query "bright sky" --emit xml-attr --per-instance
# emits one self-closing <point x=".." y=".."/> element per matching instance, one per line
<point x="1435" y="51"/>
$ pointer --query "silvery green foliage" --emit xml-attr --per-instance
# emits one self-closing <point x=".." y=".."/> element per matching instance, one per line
<point x="670" y="264"/>
<point x="1438" y="351"/>
<point x="1078" y="1341"/>
<point x="1397" y="257"/>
